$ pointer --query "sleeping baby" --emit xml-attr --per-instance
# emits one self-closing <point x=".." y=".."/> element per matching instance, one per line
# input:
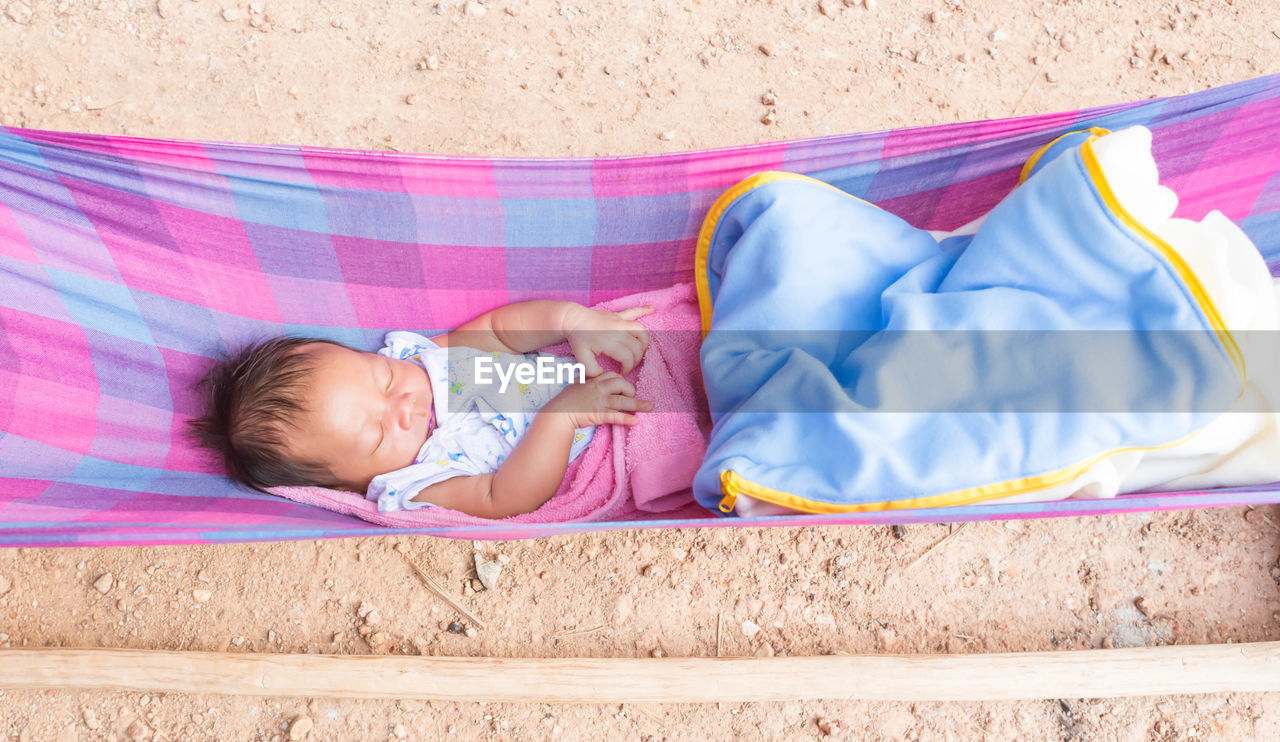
<point x="408" y="427"/>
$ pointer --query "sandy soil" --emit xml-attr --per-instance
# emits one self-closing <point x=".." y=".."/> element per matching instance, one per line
<point x="531" y="77"/>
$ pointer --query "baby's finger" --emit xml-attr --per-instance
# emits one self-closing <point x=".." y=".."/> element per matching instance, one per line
<point x="582" y="352"/>
<point x="620" y="418"/>
<point x="624" y="354"/>
<point x="621" y="386"/>
<point x="638" y="346"/>
<point x="641" y="334"/>
<point x="628" y="404"/>
<point x="635" y="312"/>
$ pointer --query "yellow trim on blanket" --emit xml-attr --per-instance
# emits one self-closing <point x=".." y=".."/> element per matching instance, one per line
<point x="712" y="220"/>
<point x="1030" y="164"/>
<point x="732" y="484"/>
<point x="1166" y="250"/>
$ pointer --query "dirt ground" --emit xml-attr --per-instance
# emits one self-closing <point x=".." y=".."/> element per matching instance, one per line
<point x="532" y="77"/>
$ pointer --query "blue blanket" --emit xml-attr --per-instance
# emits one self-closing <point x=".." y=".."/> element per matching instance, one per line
<point x="853" y="362"/>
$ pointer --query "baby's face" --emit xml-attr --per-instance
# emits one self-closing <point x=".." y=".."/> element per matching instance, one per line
<point x="366" y="414"/>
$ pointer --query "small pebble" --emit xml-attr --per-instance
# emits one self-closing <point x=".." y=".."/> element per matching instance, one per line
<point x="230" y="15"/>
<point x="471" y="632"/>
<point x="487" y="572"/>
<point x="1137" y="62"/>
<point x="401" y="731"/>
<point x="667" y="136"/>
<point x="829" y="727"/>
<point x="657" y="653"/>
<point x="1191" y="57"/>
<point x="829" y="8"/>
<point x="103" y="583"/>
<point x="237" y="640"/>
<point x="768" y="119"/>
<point x="299" y="727"/>
<point x="410" y="99"/>
<point x="1050" y="77"/>
<point x="1143" y="608"/>
<point x="137" y="730"/>
<point x="767" y="49"/>
<point x="750" y="629"/>
<point x="340" y="22"/>
<point x="1067" y="42"/>
<point x="769" y="99"/>
<point x="998" y="35"/>
<point x="90" y="718"/>
<point x="869" y="4"/>
<point x="201" y="596"/>
<point x="456" y="627"/>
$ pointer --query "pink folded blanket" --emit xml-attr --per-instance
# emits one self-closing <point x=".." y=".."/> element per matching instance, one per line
<point x="625" y="471"/>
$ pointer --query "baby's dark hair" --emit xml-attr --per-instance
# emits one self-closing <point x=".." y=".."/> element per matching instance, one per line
<point x="250" y="400"/>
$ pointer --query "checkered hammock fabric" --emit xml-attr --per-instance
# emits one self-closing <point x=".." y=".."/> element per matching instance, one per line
<point x="125" y="264"/>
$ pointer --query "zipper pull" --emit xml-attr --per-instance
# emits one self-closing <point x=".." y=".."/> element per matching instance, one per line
<point x="730" y="490"/>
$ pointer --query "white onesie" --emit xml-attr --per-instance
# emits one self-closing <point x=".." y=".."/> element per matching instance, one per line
<point x="476" y="426"/>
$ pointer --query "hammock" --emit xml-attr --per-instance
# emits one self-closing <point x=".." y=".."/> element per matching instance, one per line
<point x="126" y="263"/>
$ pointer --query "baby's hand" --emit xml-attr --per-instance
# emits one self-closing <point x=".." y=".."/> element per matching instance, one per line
<point x="616" y="334"/>
<point x="608" y="398"/>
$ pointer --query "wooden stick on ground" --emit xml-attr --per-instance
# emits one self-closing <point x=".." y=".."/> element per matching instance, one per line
<point x="440" y="593"/>
<point x="934" y="548"/>
<point x="1094" y="673"/>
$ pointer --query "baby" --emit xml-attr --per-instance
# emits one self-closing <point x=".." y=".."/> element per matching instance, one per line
<point x="308" y="412"/>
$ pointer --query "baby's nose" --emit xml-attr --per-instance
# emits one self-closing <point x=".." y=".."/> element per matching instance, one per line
<point x="406" y="410"/>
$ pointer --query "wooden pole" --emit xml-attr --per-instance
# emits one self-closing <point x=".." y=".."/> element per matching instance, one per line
<point x="1101" y="673"/>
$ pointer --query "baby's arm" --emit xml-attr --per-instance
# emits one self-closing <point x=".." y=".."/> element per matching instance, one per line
<point x="529" y="325"/>
<point x="528" y="478"/>
<point x="534" y="470"/>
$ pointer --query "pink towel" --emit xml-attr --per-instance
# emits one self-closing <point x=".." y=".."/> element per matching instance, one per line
<point x="625" y="472"/>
